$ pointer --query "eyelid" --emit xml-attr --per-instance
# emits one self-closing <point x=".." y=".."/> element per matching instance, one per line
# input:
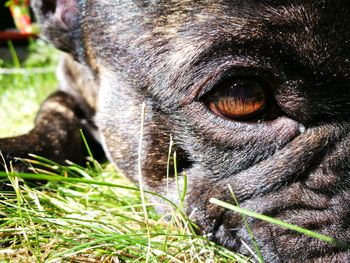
<point x="237" y="67"/>
<point x="256" y="74"/>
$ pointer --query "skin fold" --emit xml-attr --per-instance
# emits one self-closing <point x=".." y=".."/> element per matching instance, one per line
<point x="290" y="161"/>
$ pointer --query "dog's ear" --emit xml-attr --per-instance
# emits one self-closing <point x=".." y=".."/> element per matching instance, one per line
<point x="60" y="21"/>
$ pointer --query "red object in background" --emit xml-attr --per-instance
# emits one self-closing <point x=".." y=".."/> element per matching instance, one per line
<point x="21" y="16"/>
<point x="21" y="1"/>
<point x="14" y="35"/>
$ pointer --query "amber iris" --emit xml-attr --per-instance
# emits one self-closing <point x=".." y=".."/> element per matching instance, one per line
<point x="238" y="99"/>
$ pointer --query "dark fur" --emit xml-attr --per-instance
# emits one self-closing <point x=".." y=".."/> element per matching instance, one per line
<point x="168" y="54"/>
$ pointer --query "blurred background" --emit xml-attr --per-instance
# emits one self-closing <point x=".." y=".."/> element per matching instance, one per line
<point x="17" y="23"/>
<point x="27" y="68"/>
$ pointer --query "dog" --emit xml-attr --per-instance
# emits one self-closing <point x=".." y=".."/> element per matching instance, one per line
<point x="256" y="95"/>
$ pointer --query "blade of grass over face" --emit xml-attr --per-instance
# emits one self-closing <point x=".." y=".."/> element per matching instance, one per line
<point x="278" y="222"/>
<point x="141" y="187"/>
<point x="250" y="232"/>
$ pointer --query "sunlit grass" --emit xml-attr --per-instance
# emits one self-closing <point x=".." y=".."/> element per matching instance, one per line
<point x="95" y="215"/>
<point x="22" y="91"/>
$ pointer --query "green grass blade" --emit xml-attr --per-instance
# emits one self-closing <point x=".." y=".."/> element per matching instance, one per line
<point x="278" y="222"/>
<point x="250" y="232"/>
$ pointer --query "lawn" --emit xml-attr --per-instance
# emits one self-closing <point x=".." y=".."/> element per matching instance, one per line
<point x="83" y="214"/>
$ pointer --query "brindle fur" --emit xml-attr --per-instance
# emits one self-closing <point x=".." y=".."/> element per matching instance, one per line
<point x="167" y="54"/>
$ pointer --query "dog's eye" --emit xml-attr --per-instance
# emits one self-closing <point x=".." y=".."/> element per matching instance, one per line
<point x="238" y="99"/>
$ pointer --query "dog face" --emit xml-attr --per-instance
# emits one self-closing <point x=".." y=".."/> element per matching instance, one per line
<point x="255" y="94"/>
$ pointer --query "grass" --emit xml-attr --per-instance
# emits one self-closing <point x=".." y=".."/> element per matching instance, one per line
<point x="90" y="214"/>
